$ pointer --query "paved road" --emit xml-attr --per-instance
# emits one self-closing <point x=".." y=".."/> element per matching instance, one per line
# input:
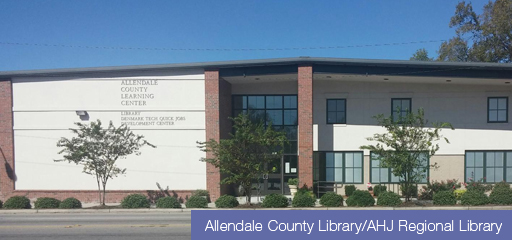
<point x="88" y="226"/>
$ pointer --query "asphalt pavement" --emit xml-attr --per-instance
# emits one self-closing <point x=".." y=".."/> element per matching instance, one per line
<point x="110" y="226"/>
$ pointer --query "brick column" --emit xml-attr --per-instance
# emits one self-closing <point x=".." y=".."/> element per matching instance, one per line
<point x="7" y="176"/>
<point x="305" y="108"/>
<point x="218" y="125"/>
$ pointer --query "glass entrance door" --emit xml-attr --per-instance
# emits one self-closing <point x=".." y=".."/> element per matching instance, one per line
<point x="276" y="181"/>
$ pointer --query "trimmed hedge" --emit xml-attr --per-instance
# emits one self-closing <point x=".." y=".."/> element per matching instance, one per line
<point x="70" y="203"/>
<point x="501" y="196"/>
<point x="349" y="190"/>
<point x="196" y="202"/>
<point x="168" y="202"/>
<point x="412" y="190"/>
<point x="303" y="200"/>
<point x="46" y="202"/>
<point x="226" y="201"/>
<point x="275" y="200"/>
<point x="389" y="199"/>
<point x="444" y="198"/>
<point x="502" y="185"/>
<point x="361" y="199"/>
<point x="135" y="201"/>
<point x="379" y="189"/>
<point x="17" y="202"/>
<point x="331" y="199"/>
<point x="474" y="198"/>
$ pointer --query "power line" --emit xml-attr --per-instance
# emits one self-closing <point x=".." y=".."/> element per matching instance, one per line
<point x="217" y="49"/>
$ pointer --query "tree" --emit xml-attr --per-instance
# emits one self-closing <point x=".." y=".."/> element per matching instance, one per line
<point x="402" y="146"/>
<point x="248" y="154"/>
<point x="421" y="55"/>
<point x="480" y="38"/>
<point x="98" y="149"/>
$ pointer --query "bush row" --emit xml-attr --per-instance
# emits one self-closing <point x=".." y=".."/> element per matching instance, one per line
<point x="22" y="202"/>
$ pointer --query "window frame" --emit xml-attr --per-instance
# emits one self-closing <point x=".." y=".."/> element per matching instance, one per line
<point x="390" y="173"/>
<point x="401" y="99"/>
<point x="327" y="110"/>
<point x="484" y="165"/>
<point x="344" y="165"/>
<point x="506" y="109"/>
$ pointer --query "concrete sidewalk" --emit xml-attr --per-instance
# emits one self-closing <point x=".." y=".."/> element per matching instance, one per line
<point x="160" y="210"/>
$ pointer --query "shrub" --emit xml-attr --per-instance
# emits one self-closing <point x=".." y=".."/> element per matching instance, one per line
<point x="196" y="202"/>
<point x="412" y="190"/>
<point x="474" y="198"/>
<point x="331" y="199"/>
<point x="303" y="200"/>
<point x="17" y="202"/>
<point x="432" y="187"/>
<point x="135" y="201"/>
<point x="46" y="202"/>
<point x="202" y="193"/>
<point x="502" y="185"/>
<point x="361" y="199"/>
<point x="293" y="181"/>
<point x="477" y="185"/>
<point x="226" y="201"/>
<point x="379" y="189"/>
<point x="70" y="203"/>
<point x="458" y="193"/>
<point x="444" y="198"/>
<point x="389" y="199"/>
<point x="275" y="200"/>
<point x="1" y="204"/>
<point x="168" y="202"/>
<point x="501" y="196"/>
<point x="349" y="190"/>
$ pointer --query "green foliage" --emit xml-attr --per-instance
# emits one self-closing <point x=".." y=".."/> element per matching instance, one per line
<point x="502" y="184"/>
<point x="331" y="199"/>
<point x="303" y="200"/>
<point x="389" y="199"/>
<point x="1" y="204"/>
<point x="444" y="198"/>
<point x="360" y="199"/>
<point x="196" y="202"/>
<point x="501" y="196"/>
<point x="432" y="187"/>
<point x="97" y="149"/>
<point x="17" y="202"/>
<point x="477" y="185"/>
<point x="226" y="201"/>
<point x="404" y="145"/>
<point x="135" y="201"/>
<point x="243" y="156"/>
<point x="480" y="38"/>
<point x="275" y="200"/>
<point x="409" y="190"/>
<point x="70" y="203"/>
<point x="459" y="193"/>
<point x="168" y="202"/>
<point x="349" y="190"/>
<point x="46" y="202"/>
<point x="201" y="193"/>
<point x="421" y="55"/>
<point x="474" y="198"/>
<point x="379" y="189"/>
<point x="293" y="181"/>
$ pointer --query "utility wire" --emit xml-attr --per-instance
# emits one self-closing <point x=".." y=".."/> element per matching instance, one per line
<point x="217" y="49"/>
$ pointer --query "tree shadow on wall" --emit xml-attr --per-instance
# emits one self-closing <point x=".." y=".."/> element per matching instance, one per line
<point x="8" y="168"/>
<point x="154" y="195"/>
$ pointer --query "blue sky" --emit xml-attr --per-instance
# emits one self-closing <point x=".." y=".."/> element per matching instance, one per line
<point x="232" y="24"/>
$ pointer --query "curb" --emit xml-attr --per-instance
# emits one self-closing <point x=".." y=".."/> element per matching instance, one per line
<point x="188" y="210"/>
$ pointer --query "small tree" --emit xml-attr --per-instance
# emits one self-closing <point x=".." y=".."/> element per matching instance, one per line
<point x="404" y="144"/>
<point x="247" y="154"/>
<point x="97" y="150"/>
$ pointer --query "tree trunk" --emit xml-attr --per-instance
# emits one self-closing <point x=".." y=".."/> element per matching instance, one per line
<point x="104" y="192"/>
<point x="99" y="191"/>
<point x="248" y="193"/>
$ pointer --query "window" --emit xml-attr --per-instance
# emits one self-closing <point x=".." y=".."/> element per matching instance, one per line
<point x="342" y="167"/>
<point x="497" y="109"/>
<point x="491" y="166"/>
<point x="379" y="174"/>
<point x="400" y="107"/>
<point x="336" y="111"/>
<point x="278" y="110"/>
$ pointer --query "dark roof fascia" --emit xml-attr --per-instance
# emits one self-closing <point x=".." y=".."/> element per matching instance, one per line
<point x="329" y="63"/>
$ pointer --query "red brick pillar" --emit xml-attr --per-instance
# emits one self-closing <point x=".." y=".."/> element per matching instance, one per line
<point x="7" y="176"/>
<point x="305" y="108"/>
<point x="218" y="124"/>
